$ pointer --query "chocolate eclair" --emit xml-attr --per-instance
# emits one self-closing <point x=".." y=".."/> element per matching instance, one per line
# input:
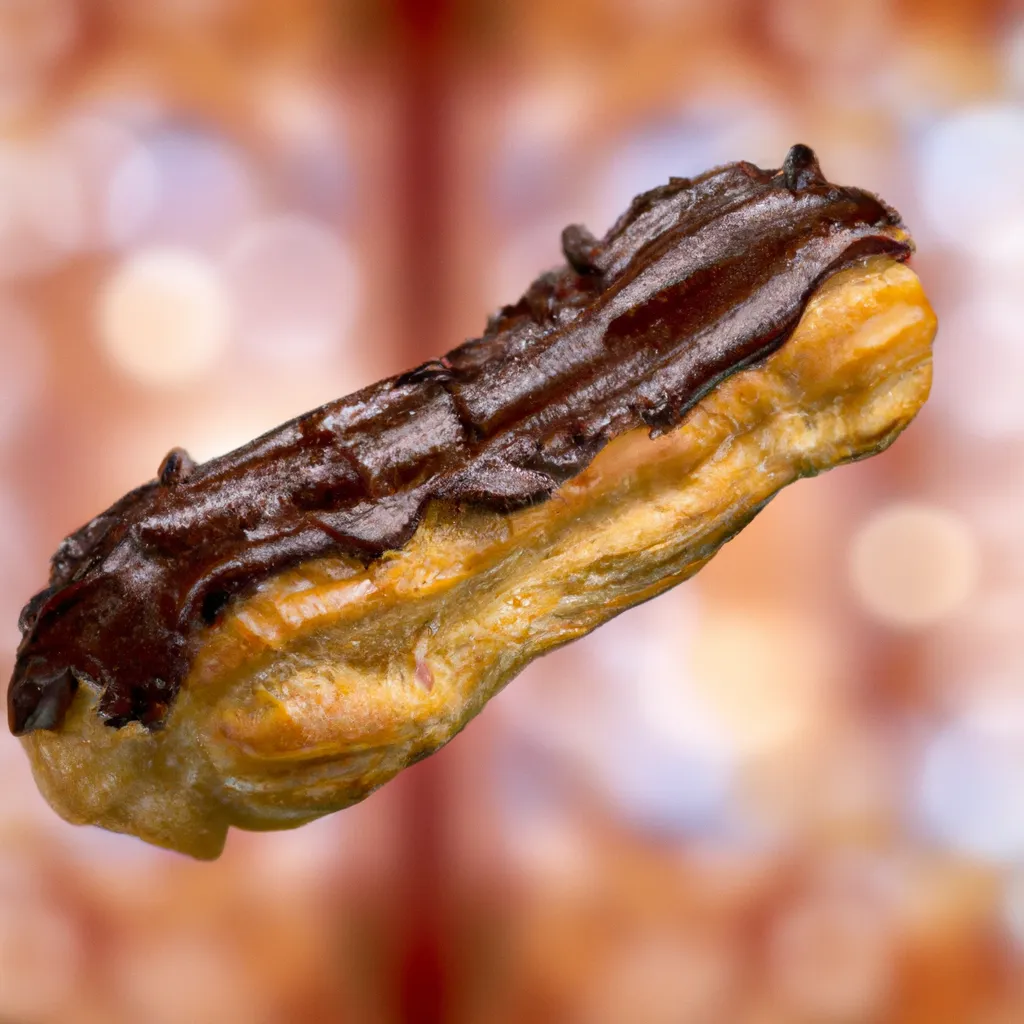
<point x="268" y="636"/>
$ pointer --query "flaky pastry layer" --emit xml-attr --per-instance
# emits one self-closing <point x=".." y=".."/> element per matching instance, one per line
<point x="334" y="676"/>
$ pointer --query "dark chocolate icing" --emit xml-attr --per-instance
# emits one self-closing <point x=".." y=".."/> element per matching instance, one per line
<point x="697" y="279"/>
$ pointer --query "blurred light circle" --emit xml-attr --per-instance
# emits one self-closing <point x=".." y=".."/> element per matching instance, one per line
<point x="304" y="121"/>
<point x="551" y="847"/>
<point x="980" y="388"/>
<point x="23" y="358"/>
<point x="911" y="564"/>
<point x="972" y="188"/>
<point x="620" y="709"/>
<point x="832" y="958"/>
<point x="762" y="674"/>
<point x="301" y="859"/>
<point x="184" y="186"/>
<point x="296" y="112"/>
<point x="657" y="751"/>
<point x="663" y="975"/>
<point x="41" y="208"/>
<point x="971" y="782"/>
<point x="147" y="976"/>
<point x="115" y="176"/>
<point x="644" y="656"/>
<point x="132" y="196"/>
<point x="538" y="126"/>
<point x="832" y="32"/>
<point x="294" y="287"/>
<point x="164" y="316"/>
<point x="707" y="132"/>
<point x="664" y="788"/>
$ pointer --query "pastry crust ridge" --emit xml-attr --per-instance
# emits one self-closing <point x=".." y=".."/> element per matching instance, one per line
<point x="333" y="676"/>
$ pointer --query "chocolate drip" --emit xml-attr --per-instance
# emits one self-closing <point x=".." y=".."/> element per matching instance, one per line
<point x="698" y="279"/>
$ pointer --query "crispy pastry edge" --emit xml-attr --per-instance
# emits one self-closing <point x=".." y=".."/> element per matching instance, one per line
<point x="331" y="678"/>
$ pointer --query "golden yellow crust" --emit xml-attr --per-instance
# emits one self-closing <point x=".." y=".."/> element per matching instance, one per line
<point x="333" y="677"/>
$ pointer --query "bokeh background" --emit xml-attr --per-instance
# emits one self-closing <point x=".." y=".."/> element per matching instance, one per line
<point x="790" y="792"/>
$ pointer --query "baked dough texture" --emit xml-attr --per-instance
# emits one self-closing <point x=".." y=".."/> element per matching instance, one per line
<point x="334" y="675"/>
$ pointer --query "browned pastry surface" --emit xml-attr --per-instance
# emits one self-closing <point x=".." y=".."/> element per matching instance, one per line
<point x="329" y="676"/>
<point x="696" y="280"/>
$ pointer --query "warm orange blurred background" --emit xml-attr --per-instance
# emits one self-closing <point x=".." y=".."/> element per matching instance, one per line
<point x="791" y="792"/>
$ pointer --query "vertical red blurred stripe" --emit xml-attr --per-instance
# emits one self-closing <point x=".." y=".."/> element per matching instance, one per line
<point x="424" y="30"/>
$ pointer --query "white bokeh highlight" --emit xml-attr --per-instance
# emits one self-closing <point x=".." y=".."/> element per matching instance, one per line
<point x="971" y="781"/>
<point x="164" y="317"/>
<point x="294" y="288"/>
<point x="971" y="185"/>
<point x="981" y="365"/>
<point x="911" y="564"/>
<point x="182" y="186"/>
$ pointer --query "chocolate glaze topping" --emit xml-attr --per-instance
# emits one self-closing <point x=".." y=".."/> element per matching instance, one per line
<point x="696" y="280"/>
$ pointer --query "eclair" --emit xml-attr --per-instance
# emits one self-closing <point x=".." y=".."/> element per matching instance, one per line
<point x="267" y="637"/>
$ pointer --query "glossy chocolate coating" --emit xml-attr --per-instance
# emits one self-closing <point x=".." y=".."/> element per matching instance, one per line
<point x="698" y="279"/>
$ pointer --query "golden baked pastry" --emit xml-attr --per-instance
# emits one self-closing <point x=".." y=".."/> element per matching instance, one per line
<point x="268" y="637"/>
